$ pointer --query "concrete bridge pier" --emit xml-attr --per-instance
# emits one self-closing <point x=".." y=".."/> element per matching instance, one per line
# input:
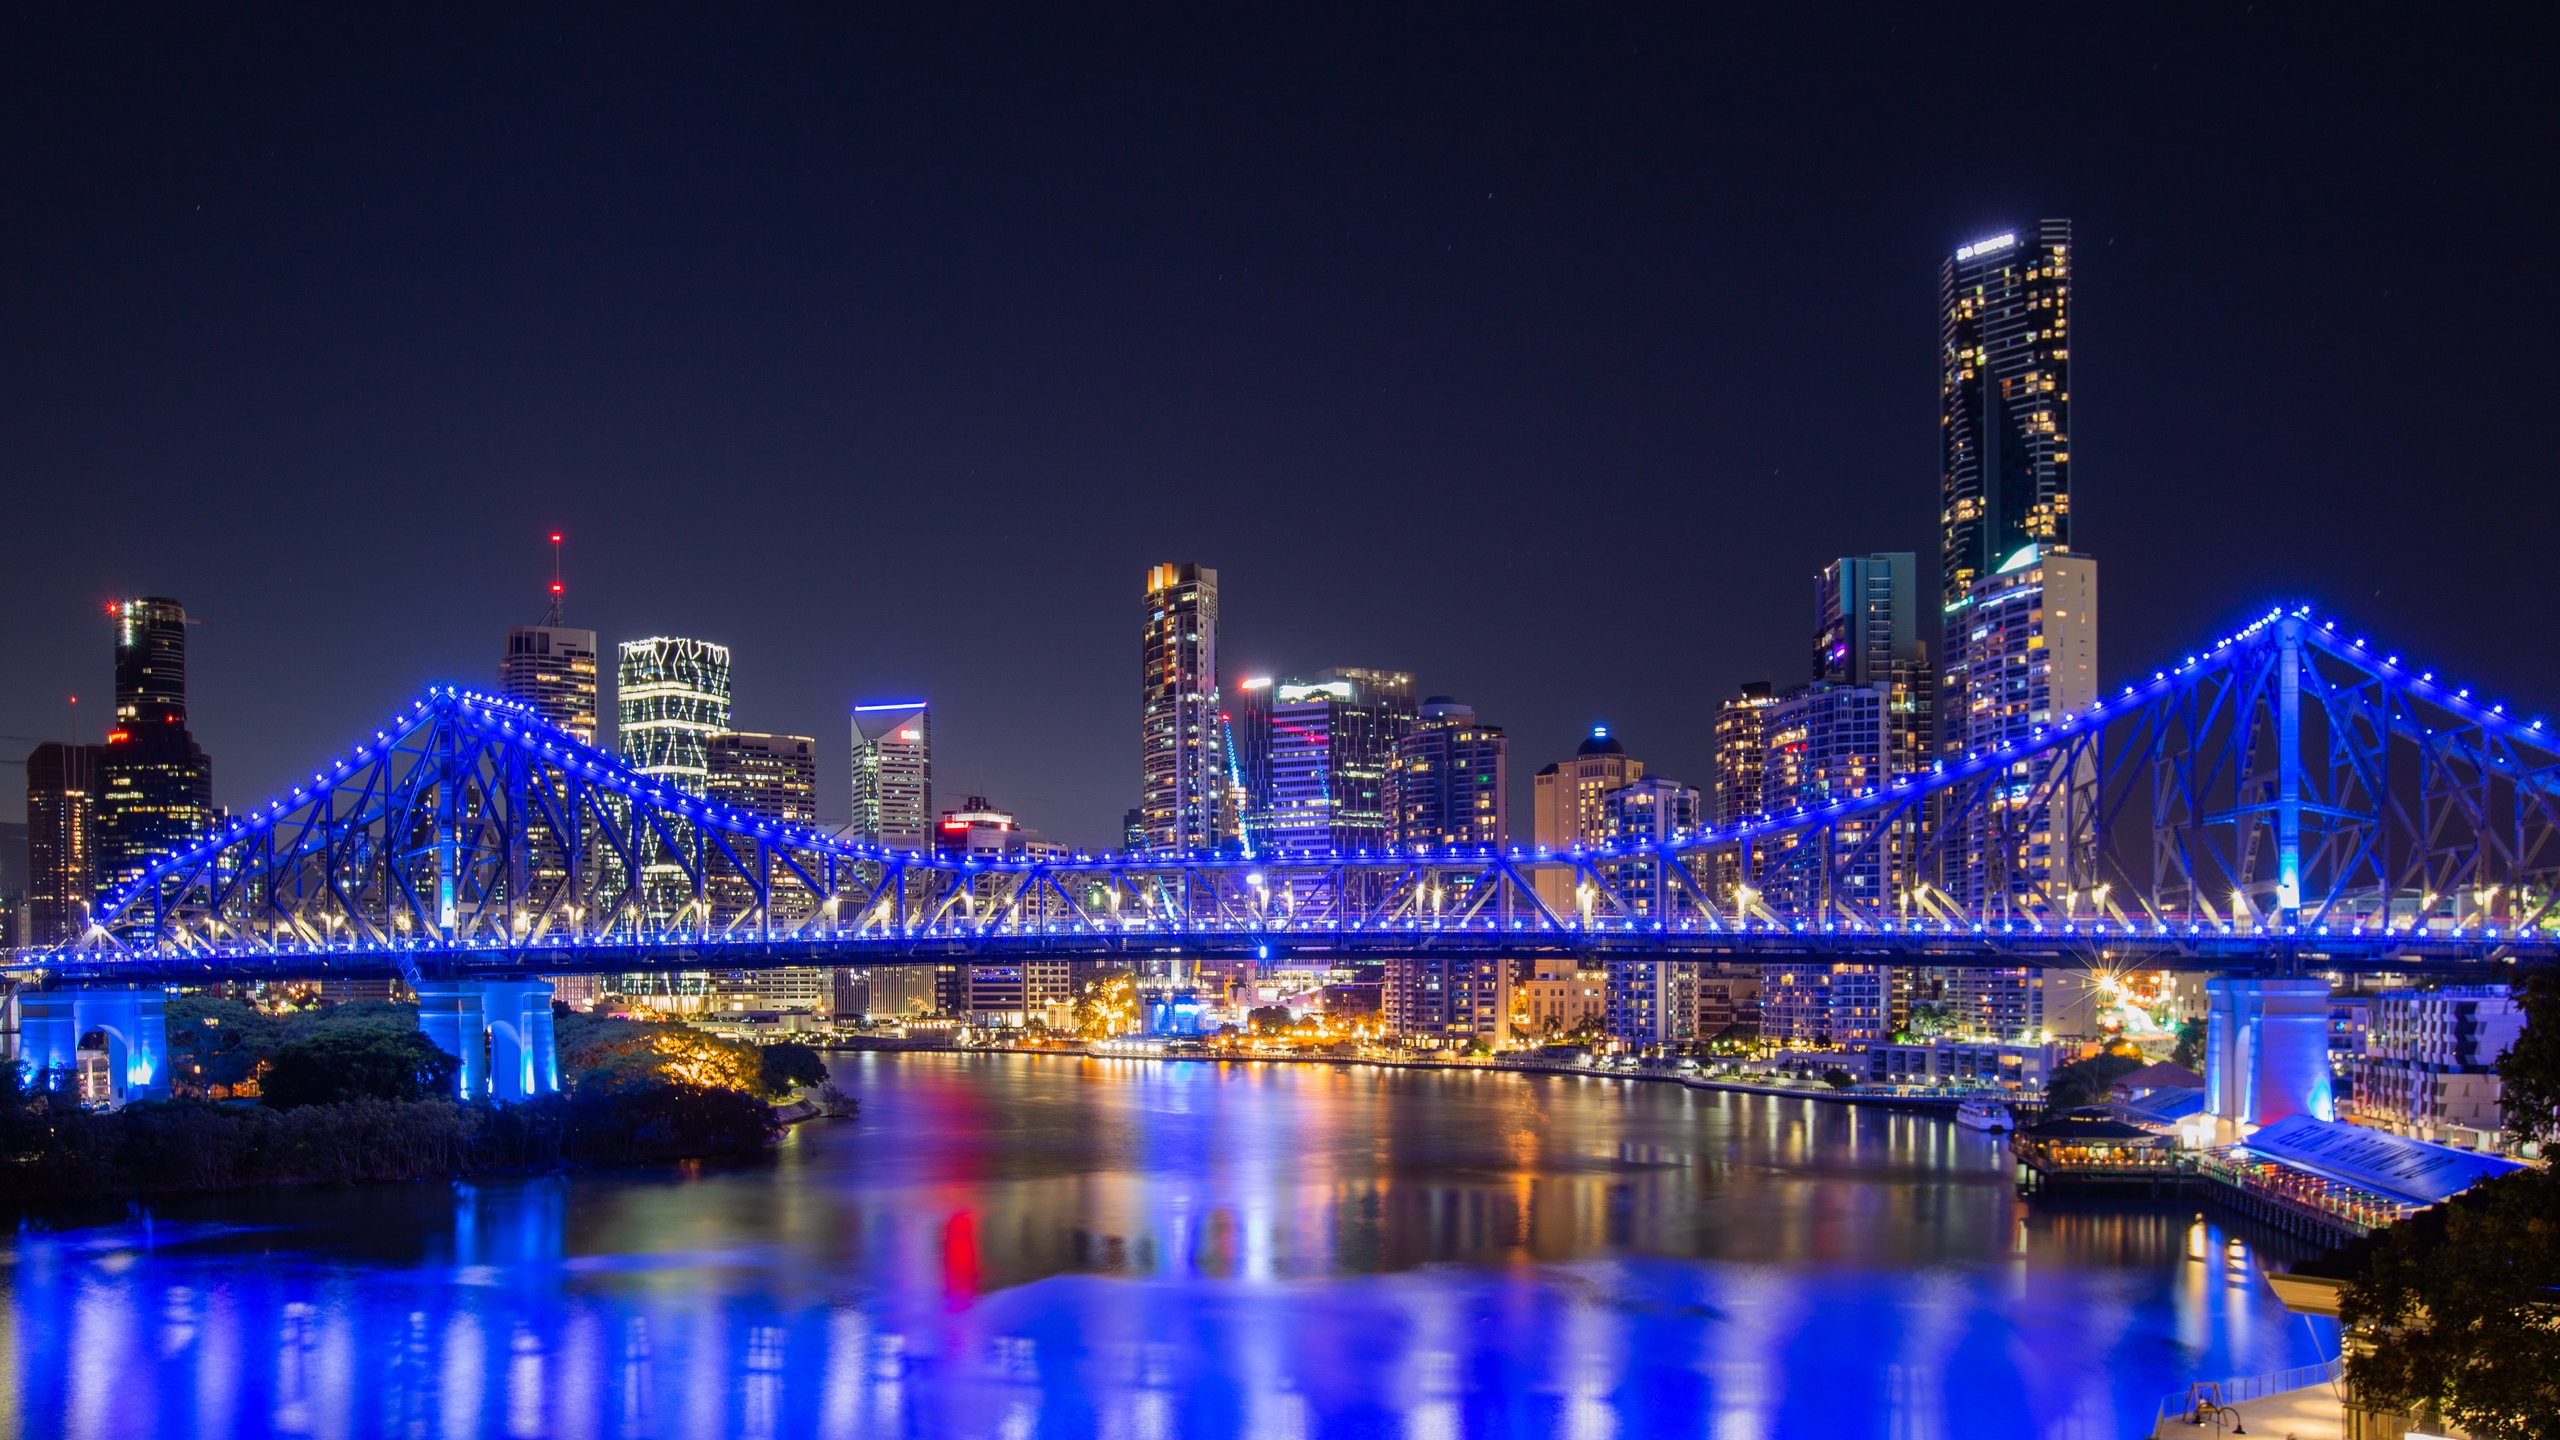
<point x="2266" y="1051"/>
<point x="501" y="1031"/>
<point x="134" y="1022"/>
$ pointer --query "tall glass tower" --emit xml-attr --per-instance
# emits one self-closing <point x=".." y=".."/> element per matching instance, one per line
<point x="1179" y="737"/>
<point x="155" y="791"/>
<point x="670" y="697"/>
<point x="2004" y="395"/>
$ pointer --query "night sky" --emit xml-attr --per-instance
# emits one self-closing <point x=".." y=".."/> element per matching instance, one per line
<point x="1546" y="355"/>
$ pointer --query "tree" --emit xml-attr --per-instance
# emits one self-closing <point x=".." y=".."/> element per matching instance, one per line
<point x="216" y="1043"/>
<point x="1268" y="1019"/>
<point x="1930" y="1017"/>
<point x="357" y="1063"/>
<point x="2529" y="1073"/>
<point x="2189" y="1051"/>
<point x="786" y="1065"/>
<point x="2461" y="1307"/>
<point x="2085" y="1082"/>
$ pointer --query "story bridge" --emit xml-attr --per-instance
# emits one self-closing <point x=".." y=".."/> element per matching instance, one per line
<point x="2288" y="797"/>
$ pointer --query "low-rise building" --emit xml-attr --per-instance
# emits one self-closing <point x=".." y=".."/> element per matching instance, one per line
<point x="1558" y="998"/>
<point x="1963" y="1063"/>
<point x="2429" y="1068"/>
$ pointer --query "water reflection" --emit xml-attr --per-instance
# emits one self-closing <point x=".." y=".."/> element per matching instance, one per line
<point x="1005" y="1246"/>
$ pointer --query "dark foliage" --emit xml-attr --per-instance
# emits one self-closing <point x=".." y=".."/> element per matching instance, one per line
<point x="787" y="1065"/>
<point x="2529" y="1073"/>
<point x="1267" y="1019"/>
<point x="1838" y="1078"/>
<point x="2085" y="1082"/>
<point x="2459" y="1306"/>
<point x="357" y="1062"/>
<point x="2189" y="1051"/>
<point x="51" y="1149"/>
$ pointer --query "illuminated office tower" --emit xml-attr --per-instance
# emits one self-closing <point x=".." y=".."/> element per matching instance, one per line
<point x="552" y="668"/>
<point x="1568" y="805"/>
<point x="2004" y="395"/>
<point x="1333" y="751"/>
<point x="893" y="773"/>
<point x="155" y="786"/>
<point x="1866" y="632"/>
<point x="670" y="697"/>
<point x="1179" y="738"/>
<point x="775" y="776"/>
<point x="62" y="834"/>
<point x="1452" y="780"/>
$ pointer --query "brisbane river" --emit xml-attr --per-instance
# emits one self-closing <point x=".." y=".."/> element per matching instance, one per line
<point x="1018" y="1246"/>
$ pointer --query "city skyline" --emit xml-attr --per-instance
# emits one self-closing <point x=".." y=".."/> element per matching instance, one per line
<point x="1727" y="338"/>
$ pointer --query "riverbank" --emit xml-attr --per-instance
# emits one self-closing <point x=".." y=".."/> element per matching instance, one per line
<point x="1830" y="1095"/>
<point x="55" y="1150"/>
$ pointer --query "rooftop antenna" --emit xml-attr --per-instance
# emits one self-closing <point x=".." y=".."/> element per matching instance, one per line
<point x="554" y="617"/>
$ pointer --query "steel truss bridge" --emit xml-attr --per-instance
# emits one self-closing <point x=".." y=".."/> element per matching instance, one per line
<point x="2287" y="797"/>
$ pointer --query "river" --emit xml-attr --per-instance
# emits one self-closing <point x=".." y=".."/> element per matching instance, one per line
<point x="1019" y="1246"/>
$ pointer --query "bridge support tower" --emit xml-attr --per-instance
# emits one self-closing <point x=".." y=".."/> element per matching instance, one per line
<point x="2266" y="1051"/>
<point x="500" y="1029"/>
<point x="134" y="1022"/>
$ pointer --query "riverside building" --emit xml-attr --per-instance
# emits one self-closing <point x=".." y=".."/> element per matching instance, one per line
<point x="2430" y="1063"/>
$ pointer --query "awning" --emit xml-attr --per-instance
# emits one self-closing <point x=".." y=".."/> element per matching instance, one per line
<point x="2411" y="1170"/>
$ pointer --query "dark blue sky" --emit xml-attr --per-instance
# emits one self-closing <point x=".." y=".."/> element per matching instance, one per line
<point x="1544" y="354"/>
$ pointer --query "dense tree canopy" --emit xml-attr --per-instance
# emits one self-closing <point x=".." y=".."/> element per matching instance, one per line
<point x="357" y="1062"/>
<point x="2529" y="1073"/>
<point x="2462" y="1309"/>
<point x="786" y="1065"/>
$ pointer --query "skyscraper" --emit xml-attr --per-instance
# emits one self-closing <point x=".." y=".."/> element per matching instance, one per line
<point x="552" y="668"/>
<point x="2004" y="395"/>
<point x="1452" y="780"/>
<point x="1178" y="709"/>
<point x="1655" y="809"/>
<point x="775" y="776"/>
<point x="2031" y="630"/>
<point x="1866" y="632"/>
<point x="1569" y="805"/>
<point x="62" y="819"/>
<point x="1740" y="756"/>
<point x="2004" y="392"/>
<point x="1333" y="748"/>
<point x="155" y="791"/>
<point x="893" y="773"/>
<point x="671" y="696"/>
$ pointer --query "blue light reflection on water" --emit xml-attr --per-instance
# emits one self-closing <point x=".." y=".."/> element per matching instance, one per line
<point x="1005" y="1246"/>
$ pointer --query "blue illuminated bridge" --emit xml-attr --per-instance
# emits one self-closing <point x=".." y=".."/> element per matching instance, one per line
<point x="2288" y="797"/>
